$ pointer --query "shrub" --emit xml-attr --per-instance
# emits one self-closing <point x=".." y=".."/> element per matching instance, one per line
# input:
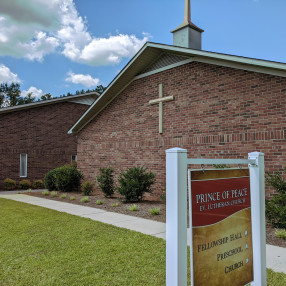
<point x="84" y="200"/>
<point x="45" y="193"/>
<point x="65" y="178"/>
<point x="25" y="184"/>
<point x="280" y="233"/>
<point x="29" y="190"/>
<point x="38" y="184"/>
<point x="9" y="184"/>
<point x="54" y="194"/>
<point x="87" y="188"/>
<point x="134" y="182"/>
<point x="63" y="196"/>
<point x="276" y="205"/>
<point x="154" y="211"/>
<point x="72" y="198"/>
<point x="99" y="202"/>
<point x="115" y="205"/>
<point x="105" y="181"/>
<point x="133" y="208"/>
<point x="50" y="180"/>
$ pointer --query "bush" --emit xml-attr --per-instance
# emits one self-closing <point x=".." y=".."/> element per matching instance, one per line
<point x="38" y="184"/>
<point x="66" y="179"/>
<point x="280" y="233"/>
<point x="133" y="208"/>
<point x="154" y="211"/>
<point x="276" y="206"/>
<point x="9" y="184"/>
<point x="134" y="182"/>
<point x="50" y="180"/>
<point x="84" y="199"/>
<point x="25" y="184"/>
<point x="105" y="181"/>
<point x="87" y="188"/>
<point x="99" y="202"/>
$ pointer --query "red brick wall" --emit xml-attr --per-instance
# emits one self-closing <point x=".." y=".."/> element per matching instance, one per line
<point x="42" y="134"/>
<point x="218" y="112"/>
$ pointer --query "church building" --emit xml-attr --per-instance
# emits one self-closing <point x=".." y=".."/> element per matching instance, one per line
<point x="34" y="139"/>
<point x="214" y="105"/>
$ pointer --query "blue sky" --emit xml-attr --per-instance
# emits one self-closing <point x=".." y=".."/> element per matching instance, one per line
<point x="60" y="46"/>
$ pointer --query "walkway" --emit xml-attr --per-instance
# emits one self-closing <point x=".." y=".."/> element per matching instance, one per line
<point x="276" y="256"/>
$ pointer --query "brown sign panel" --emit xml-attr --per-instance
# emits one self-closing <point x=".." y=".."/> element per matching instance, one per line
<point x="221" y="227"/>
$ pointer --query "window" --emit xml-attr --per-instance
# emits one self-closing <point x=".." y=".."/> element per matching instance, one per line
<point x="73" y="159"/>
<point x="23" y="165"/>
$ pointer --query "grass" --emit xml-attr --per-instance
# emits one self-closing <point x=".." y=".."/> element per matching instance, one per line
<point x="99" y="202"/>
<point x="133" y="208"/>
<point x="63" y="196"/>
<point x="39" y="246"/>
<point x="45" y="193"/>
<point x="115" y="205"/>
<point x="280" y="233"/>
<point x="72" y="198"/>
<point x="154" y="211"/>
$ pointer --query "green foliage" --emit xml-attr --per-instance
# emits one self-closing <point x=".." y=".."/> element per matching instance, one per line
<point x="25" y="184"/>
<point x="9" y="94"/>
<point x="45" y="193"/>
<point x="9" y="184"/>
<point x="133" y="208"/>
<point x="54" y="194"/>
<point x="84" y="199"/>
<point x="63" y="196"/>
<point x="105" y="181"/>
<point x="154" y="211"/>
<point x="50" y="180"/>
<point x="29" y="190"/>
<point x="134" y="182"/>
<point x="163" y="197"/>
<point x="280" y="233"/>
<point x="99" y="202"/>
<point x="115" y="205"/>
<point x="87" y="188"/>
<point x="65" y="178"/>
<point x="72" y="198"/>
<point x="38" y="184"/>
<point x="276" y="205"/>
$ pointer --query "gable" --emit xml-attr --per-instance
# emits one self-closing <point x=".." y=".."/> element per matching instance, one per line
<point x="154" y="58"/>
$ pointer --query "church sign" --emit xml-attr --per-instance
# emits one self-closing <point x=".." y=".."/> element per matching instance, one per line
<point x="221" y="227"/>
<point x="227" y="221"/>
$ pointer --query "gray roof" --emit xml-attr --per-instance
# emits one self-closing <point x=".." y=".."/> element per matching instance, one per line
<point x="150" y="52"/>
<point x="87" y="99"/>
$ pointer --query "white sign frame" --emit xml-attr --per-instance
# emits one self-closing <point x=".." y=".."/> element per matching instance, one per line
<point x="176" y="213"/>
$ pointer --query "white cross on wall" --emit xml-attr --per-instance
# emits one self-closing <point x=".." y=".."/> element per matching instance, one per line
<point x="160" y="100"/>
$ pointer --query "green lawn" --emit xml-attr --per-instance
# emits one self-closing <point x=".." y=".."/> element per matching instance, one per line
<point x="44" y="247"/>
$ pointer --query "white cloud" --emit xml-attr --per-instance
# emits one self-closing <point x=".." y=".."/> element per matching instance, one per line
<point x="35" y="28"/>
<point x="7" y="76"/>
<point x="84" y="79"/>
<point x="35" y="92"/>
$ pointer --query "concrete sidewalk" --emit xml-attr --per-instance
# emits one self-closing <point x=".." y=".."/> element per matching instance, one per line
<point x="276" y="256"/>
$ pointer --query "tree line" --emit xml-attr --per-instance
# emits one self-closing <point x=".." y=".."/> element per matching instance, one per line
<point x="10" y="95"/>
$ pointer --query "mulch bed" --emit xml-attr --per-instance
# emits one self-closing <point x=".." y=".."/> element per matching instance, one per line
<point x="143" y="210"/>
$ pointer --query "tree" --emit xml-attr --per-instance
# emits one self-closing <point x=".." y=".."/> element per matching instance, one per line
<point x="29" y="98"/>
<point x="46" y="96"/>
<point x="11" y="93"/>
<point x="100" y="89"/>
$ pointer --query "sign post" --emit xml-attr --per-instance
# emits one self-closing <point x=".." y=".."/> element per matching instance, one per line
<point x="227" y="212"/>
